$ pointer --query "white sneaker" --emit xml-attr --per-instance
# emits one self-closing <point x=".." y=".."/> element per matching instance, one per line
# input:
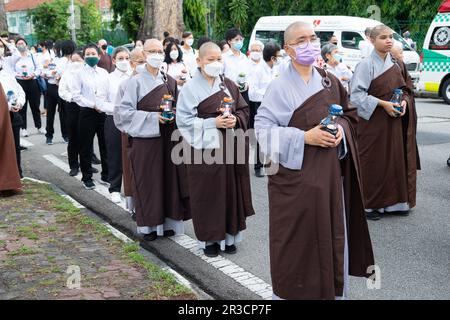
<point x="42" y="131"/>
<point x="23" y="133"/>
<point x="115" y="197"/>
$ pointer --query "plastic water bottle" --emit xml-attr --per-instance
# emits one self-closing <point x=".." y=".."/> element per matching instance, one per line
<point x="329" y="124"/>
<point x="241" y="81"/>
<point x="397" y="98"/>
<point x="227" y="107"/>
<point x="167" y="107"/>
<point x="12" y="99"/>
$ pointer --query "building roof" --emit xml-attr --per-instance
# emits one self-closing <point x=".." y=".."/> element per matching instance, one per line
<point x="23" y="5"/>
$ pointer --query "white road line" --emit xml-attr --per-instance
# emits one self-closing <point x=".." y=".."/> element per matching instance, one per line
<point x="25" y="143"/>
<point x="229" y="268"/>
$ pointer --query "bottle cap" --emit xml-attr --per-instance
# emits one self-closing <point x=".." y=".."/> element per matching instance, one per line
<point x="398" y="91"/>
<point x="10" y="93"/>
<point x="335" y="109"/>
<point x="167" y="97"/>
<point x="227" y="99"/>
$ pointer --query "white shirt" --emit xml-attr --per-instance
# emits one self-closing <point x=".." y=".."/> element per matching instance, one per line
<point x="260" y="80"/>
<point x="25" y="64"/>
<point x="115" y="79"/>
<point x="366" y="48"/>
<point x="90" y="87"/>
<point x="233" y="66"/>
<point x="190" y="60"/>
<point x="9" y="83"/>
<point x="175" y="71"/>
<point x="340" y="71"/>
<point x="65" y="89"/>
<point x="43" y="57"/>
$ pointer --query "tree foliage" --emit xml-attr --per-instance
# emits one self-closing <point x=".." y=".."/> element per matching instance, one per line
<point x="50" y="21"/>
<point x="194" y="14"/>
<point x="129" y="15"/>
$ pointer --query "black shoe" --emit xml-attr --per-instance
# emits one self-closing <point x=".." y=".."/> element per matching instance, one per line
<point x="94" y="170"/>
<point x="133" y="216"/>
<point x="374" y="215"/>
<point x="95" y="160"/>
<point x="151" y="236"/>
<point x="22" y="148"/>
<point x="73" y="172"/>
<point x="169" y="233"/>
<point x="104" y="181"/>
<point x="212" y="250"/>
<point x="89" y="184"/>
<point x="230" y="249"/>
<point x="399" y="213"/>
<point x="49" y="141"/>
<point x="448" y="162"/>
<point x="258" y="173"/>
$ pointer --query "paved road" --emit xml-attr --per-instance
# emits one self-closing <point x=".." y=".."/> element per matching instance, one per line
<point x="413" y="252"/>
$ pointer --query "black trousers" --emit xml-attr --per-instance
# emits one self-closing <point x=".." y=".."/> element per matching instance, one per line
<point x="72" y="123"/>
<point x="33" y="97"/>
<point x="90" y="123"/>
<point x="16" y="122"/>
<point x="113" y="140"/>
<point x="251" y="125"/>
<point x="54" y="103"/>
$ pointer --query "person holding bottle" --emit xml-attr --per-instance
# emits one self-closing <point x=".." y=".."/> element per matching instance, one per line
<point x="174" y="65"/>
<point x="219" y="190"/>
<point x="318" y="231"/>
<point x="159" y="194"/>
<point x="386" y="130"/>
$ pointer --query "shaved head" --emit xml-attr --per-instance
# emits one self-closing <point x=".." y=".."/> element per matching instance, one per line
<point x="291" y="30"/>
<point x="152" y="43"/>
<point x="206" y="48"/>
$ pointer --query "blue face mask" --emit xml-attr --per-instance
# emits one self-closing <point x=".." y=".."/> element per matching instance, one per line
<point x="338" y="57"/>
<point x="238" y="45"/>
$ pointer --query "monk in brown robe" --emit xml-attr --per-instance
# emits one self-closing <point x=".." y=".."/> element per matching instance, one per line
<point x="318" y="232"/>
<point x="219" y="188"/>
<point x="9" y="171"/>
<point x="158" y="185"/>
<point x="386" y="130"/>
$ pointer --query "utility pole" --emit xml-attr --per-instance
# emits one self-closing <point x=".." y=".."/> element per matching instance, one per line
<point x="72" y="21"/>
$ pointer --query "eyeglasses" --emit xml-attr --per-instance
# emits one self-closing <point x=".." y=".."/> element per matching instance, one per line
<point x="302" y="44"/>
<point x="154" y="51"/>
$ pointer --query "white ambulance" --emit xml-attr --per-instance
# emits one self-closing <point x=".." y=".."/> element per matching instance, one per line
<point x="348" y="30"/>
<point x="435" y="75"/>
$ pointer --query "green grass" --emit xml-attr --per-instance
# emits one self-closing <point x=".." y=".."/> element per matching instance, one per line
<point x="27" y="232"/>
<point x="22" y="251"/>
<point x="2" y="243"/>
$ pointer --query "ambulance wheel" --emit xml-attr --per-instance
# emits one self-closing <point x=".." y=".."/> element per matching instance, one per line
<point x="446" y="91"/>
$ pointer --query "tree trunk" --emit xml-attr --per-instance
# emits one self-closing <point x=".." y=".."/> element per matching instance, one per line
<point x="160" y="16"/>
<point x="3" y="23"/>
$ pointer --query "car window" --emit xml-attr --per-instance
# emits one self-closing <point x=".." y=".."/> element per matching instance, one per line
<point x="324" y="36"/>
<point x="406" y="46"/>
<point x="270" y="36"/>
<point x="440" y="39"/>
<point x="351" y="40"/>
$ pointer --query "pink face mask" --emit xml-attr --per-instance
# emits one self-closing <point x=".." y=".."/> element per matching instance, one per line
<point x="308" y="55"/>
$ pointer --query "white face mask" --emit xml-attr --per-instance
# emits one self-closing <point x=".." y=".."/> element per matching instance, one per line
<point x="255" y="56"/>
<point x="140" y="68"/>
<point x="155" y="60"/>
<point x="214" y="69"/>
<point x="190" y="42"/>
<point x="123" y="65"/>
<point x="174" y="55"/>
<point x="76" y="65"/>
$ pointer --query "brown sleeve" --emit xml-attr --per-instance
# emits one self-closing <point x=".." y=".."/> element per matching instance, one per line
<point x="242" y="112"/>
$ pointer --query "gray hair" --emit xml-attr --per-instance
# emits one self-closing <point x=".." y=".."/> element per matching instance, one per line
<point x="257" y="43"/>
<point x="328" y="49"/>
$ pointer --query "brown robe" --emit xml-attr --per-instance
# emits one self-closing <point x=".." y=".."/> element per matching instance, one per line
<point x="126" y="167"/>
<point x="9" y="172"/>
<point x="306" y="210"/>
<point x="159" y="190"/>
<point x="220" y="194"/>
<point x="106" y="63"/>
<point x="387" y="145"/>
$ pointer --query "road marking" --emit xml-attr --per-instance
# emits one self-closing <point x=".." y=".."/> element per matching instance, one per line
<point x="227" y="267"/>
